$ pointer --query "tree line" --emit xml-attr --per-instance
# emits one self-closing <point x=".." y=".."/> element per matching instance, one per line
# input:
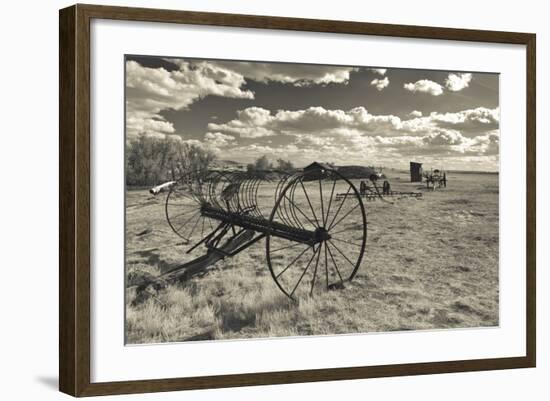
<point x="152" y="160"/>
<point x="263" y="164"/>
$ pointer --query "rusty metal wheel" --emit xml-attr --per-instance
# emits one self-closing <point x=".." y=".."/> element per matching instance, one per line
<point x="328" y="204"/>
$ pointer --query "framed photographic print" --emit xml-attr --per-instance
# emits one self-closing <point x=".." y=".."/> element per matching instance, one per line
<point x="313" y="200"/>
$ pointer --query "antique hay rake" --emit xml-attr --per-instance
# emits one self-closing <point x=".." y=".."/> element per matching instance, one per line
<point x="312" y="242"/>
<point x="373" y="192"/>
<point x="435" y="178"/>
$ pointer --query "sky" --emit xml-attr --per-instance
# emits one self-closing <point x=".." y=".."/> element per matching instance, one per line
<point x="361" y="115"/>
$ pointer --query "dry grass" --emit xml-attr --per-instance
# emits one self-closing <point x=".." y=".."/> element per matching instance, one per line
<point x="429" y="264"/>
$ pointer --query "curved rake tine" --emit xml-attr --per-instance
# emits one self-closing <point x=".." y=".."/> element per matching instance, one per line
<point x="281" y="211"/>
<point x="243" y="194"/>
<point x="256" y="188"/>
<point x="300" y="210"/>
<point x="288" y="218"/>
<point x="248" y="197"/>
<point x="297" y="222"/>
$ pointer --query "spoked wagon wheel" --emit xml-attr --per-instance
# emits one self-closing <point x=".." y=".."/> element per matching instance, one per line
<point x="183" y="209"/>
<point x="328" y="204"/>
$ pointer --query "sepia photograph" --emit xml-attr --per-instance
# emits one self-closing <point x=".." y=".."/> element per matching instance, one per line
<point x="268" y="199"/>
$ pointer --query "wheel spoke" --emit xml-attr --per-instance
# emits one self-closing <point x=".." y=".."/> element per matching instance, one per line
<point x="304" y="272"/>
<point x="326" y="264"/>
<point x="341" y="253"/>
<point x="300" y="210"/>
<point x="340" y="207"/>
<point x="322" y="204"/>
<point x="181" y="205"/>
<point x="315" y="270"/>
<point x="194" y="226"/>
<point x="343" y="217"/>
<point x="182" y="214"/>
<point x="308" y="201"/>
<point x="291" y="263"/>
<point x="340" y="232"/>
<point x="187" y="221"/>
<point x="181" y="194"/>
<point x="334" y="262"/>
<point x="346" y="242"/>
<point x="330" y="200"/>
<point x="286" y="247"/>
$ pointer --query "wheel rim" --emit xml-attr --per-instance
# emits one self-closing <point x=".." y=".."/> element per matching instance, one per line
<point x="183" y="209"/>
<point x="310" y="201"/>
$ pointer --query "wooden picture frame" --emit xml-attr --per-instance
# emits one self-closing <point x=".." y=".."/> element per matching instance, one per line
<point x="74" y="199"/>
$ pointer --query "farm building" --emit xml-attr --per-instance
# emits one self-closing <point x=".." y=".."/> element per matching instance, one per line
<point x="316" y="166"/>
<point x="313" y="167"/>
<point x="359" y="171"/>
<point x="416" y="172"/>
<point x="346" y="171"/>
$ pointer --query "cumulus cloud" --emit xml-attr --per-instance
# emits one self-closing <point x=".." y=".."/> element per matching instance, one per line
<point x="308" y="140"/>
<point x="441" y="142"/>
<point x="457" y="82"/>
<point x="152" y="90"/>
<point x="139" y="121"/>
<point x="425" y="86"/>
<point x="415" y="113"/>
<point x="295" y="74"/>
<point x="487" y="144"/>
<point x="349" y="135"/>
<point x="380" y="84"/>
<point x="217" y="139"/>
<point x="453" y="82"/>
<point x="255" y="122"/>
<point x="471" y="121"/>
<point x="149" y="91"/>
<point x="379" y="71"/>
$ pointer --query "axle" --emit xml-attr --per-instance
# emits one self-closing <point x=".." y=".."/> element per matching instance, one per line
<point x="264" y="226"/>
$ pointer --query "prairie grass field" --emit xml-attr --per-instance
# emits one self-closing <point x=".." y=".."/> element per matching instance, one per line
<point x="429" y="263"/>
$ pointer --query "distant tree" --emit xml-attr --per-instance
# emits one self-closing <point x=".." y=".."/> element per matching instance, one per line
<point x="263" y="164"/>
<point x="285" y="165"/>
<point x="250" y="167"/>
<point x="151" y="160"/>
